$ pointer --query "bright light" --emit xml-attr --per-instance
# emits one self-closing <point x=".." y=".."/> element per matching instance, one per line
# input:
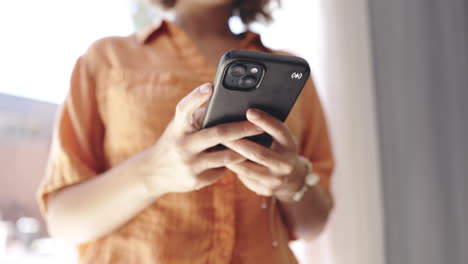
<point x="41" y="40"/>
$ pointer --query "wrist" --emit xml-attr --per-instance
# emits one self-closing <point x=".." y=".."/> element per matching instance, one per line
<point x="287" y="191"/>
<point x="150" y="174"/>
<point x="308" y="180"/>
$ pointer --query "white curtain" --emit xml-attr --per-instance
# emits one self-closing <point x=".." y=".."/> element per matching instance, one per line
<point x="334" y="36"/>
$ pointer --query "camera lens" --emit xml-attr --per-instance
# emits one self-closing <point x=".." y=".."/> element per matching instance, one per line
<point x="247" y="82"/>
<point x="237" y="70"/>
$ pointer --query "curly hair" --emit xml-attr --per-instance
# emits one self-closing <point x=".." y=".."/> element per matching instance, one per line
<point x="248" y="10"/>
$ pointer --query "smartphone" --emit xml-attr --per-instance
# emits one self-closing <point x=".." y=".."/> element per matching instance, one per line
<point x="250" y="79"/>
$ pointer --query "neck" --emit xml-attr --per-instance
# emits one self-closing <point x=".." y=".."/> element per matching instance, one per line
<point x="206" y="22"/>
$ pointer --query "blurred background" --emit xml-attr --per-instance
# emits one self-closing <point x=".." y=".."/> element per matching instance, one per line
<point x="393" y="78"/>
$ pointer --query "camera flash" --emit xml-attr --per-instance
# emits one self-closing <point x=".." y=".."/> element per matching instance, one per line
<point x="254" y="70"/>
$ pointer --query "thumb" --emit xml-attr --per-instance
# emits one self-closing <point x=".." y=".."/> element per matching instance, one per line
<point x="186" y="108"/>
<point x="198" y="117"/>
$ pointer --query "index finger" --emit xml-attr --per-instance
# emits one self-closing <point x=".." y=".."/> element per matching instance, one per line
<point x="212" y="136"/>
<point x="274" y="127"/>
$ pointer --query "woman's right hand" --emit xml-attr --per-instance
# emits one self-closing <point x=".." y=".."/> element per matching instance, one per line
<point x="180" y="160"/>
<point x="177" y="163"/>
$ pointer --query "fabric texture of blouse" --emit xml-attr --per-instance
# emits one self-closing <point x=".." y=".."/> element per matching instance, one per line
<point x="123" y="94"/>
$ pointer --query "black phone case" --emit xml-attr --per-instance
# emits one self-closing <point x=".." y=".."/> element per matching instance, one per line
<point x="282" y="82"/>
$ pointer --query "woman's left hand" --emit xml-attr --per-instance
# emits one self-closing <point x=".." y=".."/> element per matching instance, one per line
<point x="271" y="171"/>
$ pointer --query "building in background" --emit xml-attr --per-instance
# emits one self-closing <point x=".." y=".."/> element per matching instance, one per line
<point x="25" y="133"/>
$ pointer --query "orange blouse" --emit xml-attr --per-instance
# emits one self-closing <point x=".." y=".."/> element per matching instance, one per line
<point x="123" y="94"/>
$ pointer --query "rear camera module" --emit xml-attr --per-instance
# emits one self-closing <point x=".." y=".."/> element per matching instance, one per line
<point x="243" y="76"/>
<point x="247" y="82"/>
<point x="237" y="70"/>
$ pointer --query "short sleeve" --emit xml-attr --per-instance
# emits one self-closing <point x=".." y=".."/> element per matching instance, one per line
<point x="76" y="150"/>
<point x="315" y="143"/>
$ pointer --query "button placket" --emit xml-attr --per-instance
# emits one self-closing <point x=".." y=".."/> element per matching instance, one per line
<point x="224" y="221"/>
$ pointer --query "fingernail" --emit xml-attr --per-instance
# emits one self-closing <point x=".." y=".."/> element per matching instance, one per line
<point x="206" y="88"/>
<point x="253" y="114"/>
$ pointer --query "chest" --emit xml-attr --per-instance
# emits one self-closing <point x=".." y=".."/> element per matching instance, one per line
<point x="136" y="104"/>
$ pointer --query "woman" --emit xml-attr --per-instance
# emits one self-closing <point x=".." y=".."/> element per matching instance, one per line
<point x="129" y="177"/>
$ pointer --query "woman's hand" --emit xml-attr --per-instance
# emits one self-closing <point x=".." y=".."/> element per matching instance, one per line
<point x="180" y="159"/>
<point x="269" y="171"/>
<point x="178" y="162"/>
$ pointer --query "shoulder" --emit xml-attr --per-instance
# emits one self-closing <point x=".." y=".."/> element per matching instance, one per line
<point x="108" y="51"/>
<point x="106" y="44"/>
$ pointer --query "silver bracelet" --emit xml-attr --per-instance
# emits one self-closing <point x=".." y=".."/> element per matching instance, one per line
<point x="311" y="179"/>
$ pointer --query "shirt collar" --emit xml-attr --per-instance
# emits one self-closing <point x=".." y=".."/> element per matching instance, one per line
<point x="145" y="36"/>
